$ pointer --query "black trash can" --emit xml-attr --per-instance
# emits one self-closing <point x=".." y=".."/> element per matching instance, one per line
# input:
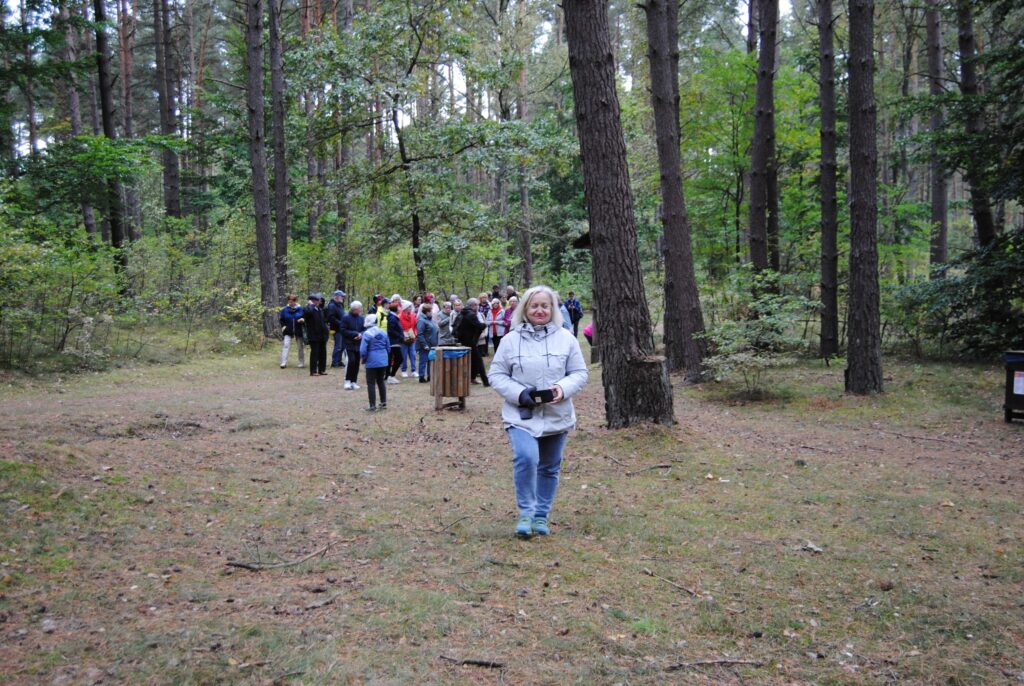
<point x="1014" y="406"/>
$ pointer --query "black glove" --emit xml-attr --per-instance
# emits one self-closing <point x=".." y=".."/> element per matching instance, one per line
<point x="526" y="404"/>
<point x="526" y="400"/>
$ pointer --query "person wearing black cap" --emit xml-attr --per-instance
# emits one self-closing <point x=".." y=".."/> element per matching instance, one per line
<point x="317" y="333"/>
<point x="334" y="311"/>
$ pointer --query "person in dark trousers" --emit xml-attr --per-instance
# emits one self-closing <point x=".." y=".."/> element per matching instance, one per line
<point x="396" y="336"/>
<point x="334" y="311"/>
<point x="316" y="332"/>
<point x="575" y="309"/>
<point x="351" y="329"/>
<point x="468" y="334"/>
<point x="427" y="335"/>
<point x="375" y="349"/>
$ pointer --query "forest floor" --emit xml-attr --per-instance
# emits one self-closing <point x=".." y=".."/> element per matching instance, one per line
<point x="811" y="537"/>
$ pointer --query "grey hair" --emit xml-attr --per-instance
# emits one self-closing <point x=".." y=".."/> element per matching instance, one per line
<point x="472" y="301"/>
<point x="519" y="314"/>
<point x="355" y="304"/>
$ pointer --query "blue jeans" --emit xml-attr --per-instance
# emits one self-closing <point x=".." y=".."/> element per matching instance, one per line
<point x="409" y="356"/>
<point x="424" y="363"/>
<point x="536" y="464"/>
<point x="339" y="347"/>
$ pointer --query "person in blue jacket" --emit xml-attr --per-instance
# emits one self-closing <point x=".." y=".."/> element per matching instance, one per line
<point x="427" y="335"/>
<point x="350" y="327"/>
<point x="375" y="350"/>
<point x="291" y="330"/>
<point x="396" y="336"/>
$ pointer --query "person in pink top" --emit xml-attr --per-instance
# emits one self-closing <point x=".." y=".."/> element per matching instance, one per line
<point x="407" y="317"/>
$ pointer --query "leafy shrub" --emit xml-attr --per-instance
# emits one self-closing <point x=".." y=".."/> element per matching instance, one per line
<point x="978" y="307"/>
<point x="766" y="338"/>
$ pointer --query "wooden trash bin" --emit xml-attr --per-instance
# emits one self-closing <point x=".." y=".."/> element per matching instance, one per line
<point x="449" y="375"/>
<point x="1014" y="406"/>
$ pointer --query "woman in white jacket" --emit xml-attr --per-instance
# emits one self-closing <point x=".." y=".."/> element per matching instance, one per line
<point x="537" y="369"/>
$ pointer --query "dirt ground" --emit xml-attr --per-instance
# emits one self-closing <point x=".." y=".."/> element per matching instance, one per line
<point x="808" y="538"/>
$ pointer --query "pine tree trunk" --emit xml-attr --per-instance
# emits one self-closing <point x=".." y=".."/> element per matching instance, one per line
<point x="165" y="100"/>
<point x="684" y="320"/>
<point x="277" y="95"/>
<point x="981" y="205"/>
<point x="938" y="254"/>
<point x="75" y="104"/>
<point x="762" y="148"/>
<point x="636" y="382"/>
<point x="829" y="202"/>
<point x="258" y="162"/>
<point x="126" y="44"/>
<point x="29" y="86"/>
<point x="344" y="155"/>
<point x="864" y="353"/>
<point x="525" y="230"/>
<point x="105" y="82"/>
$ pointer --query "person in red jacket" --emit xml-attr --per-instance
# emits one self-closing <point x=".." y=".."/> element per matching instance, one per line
<point x="407" y="317"/>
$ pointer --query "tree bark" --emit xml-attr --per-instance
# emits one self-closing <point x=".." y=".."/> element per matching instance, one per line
<point x="828" y="171"/>
<point x="864" y="354"/>
<point x="126" y="43"/>
<point x="344" y="155"/>
<point x="525" y="230"/>
<point x="258" y="162"/>
<point x="165" y="100"/>
<point x="277" y="105"/>
<point x="684" y="319"/>
<point x="762" y="149"/>
<point x="981" y="205"/>
<point x="29" y="85"/>
<point x="113" y="199"/>
<point x="938" y="253"/>
<point x="417" y="227"/>
<point x="75" y="103"/>
<point x="636" y="382"/>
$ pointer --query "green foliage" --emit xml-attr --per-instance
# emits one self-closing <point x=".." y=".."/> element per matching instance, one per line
<point x="56" y="299"/>
<point x="762" y="337"/>
<point x="977" y="308"/>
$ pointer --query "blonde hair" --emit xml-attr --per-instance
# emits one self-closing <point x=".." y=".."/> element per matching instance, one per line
<point x="519" y="315"/>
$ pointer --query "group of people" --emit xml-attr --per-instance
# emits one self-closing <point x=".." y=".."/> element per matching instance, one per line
<point x="537" y="365"/>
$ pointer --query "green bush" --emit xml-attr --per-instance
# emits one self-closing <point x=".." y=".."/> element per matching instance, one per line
<point x="766" y="337"/>
<point x="977" y="309"/>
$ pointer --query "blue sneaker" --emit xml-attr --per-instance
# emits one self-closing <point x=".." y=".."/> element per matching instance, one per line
<point x="540" y="526"/>
<point x="524" y="527"/>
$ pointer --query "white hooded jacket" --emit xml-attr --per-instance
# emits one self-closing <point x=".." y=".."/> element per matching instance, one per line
<point x="538" y="357"/>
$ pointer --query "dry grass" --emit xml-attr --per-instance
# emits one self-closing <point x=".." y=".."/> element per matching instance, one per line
<point x="124" y="494"/>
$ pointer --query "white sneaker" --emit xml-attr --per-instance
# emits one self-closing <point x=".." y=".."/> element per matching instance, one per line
<point x="391" y="380"/>
<point x="355" y="386"/>
<point x="348" y="385"/>
<point x="405" y="375"/>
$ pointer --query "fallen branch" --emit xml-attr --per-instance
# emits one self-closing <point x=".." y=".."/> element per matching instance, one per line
<point x="921" y="438"/>
<point x="618" y="462"/>
<point x="284" y="677"/>
<point x="647" y="469"/>
<point x="711" y="663"/>
<point x="323" y="603"/>
<point x="499" y="563"/>
<point x="460" y="519"/>
<point x="493" y="664"/>
<point x="671" y="583"/>
<point x="259" y="567"/>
